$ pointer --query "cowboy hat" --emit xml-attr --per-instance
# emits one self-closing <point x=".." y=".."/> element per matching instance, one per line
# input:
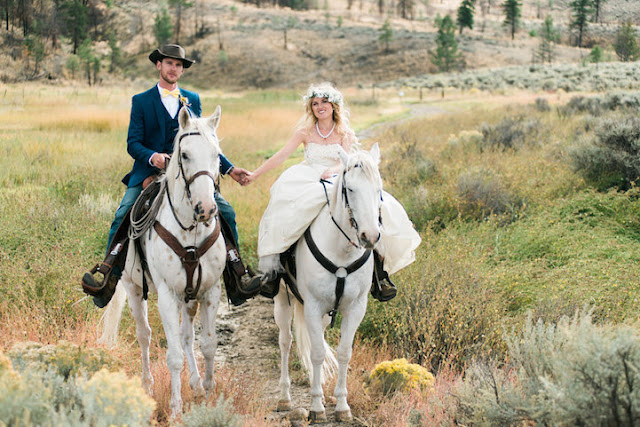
<point x="171" y="51"/>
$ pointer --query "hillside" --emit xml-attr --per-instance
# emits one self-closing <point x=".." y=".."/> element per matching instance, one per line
<point x="329" y="43"/>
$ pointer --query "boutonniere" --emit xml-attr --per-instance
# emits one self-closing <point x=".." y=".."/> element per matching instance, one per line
<point x="184" y="101"/>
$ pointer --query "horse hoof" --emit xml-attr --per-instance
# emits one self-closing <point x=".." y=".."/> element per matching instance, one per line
<point x="317" y="416"/>
<point x="344" y="416"/>
<point x="283" y="405"/>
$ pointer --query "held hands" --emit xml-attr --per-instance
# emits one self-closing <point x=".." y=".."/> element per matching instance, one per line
<point x="241" y="176"/>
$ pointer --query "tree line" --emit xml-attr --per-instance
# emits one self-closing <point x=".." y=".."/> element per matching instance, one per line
<point x="35" y="27"/>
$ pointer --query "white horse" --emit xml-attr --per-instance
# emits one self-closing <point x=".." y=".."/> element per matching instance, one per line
<point x="344" y="232"/>
<point x="188" y="212"/>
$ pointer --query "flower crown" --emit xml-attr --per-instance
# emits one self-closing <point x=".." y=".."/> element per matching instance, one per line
<point x="331" y="94"/>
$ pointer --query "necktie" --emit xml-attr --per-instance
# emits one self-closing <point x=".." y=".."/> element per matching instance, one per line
<point x="175" y="93"/>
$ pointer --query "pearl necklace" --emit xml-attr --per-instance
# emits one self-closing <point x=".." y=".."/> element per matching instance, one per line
<point x="330" y="132"/>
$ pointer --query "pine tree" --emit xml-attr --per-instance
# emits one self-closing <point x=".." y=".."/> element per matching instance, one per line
<point x="548" y="38"/>
<point x="597" y="6"/>
<point x="74" y="22"/>
<point x="179" y="6"/>
<point x="162" y="28"/>
<point x="386" y="34"/>
<point x="580" y="17"/>
<point x="465" y="14"/>
<point x="512" y="12"/>
<point x="626" y="43"/>
<point x="446" y="56"/>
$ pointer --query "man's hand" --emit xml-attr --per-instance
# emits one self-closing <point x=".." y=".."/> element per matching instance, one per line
<point x="159" y="160"/>
<point x="240" y="175"/>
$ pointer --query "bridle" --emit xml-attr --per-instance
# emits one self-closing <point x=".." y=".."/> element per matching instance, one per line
<point x="190" y="255"/>
<point x="352" y="220"/>
<point x="188" y="182"/>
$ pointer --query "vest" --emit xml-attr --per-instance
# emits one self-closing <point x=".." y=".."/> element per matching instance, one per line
<point x="171" y="130"/>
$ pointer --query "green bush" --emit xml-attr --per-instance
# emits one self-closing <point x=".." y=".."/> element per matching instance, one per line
<point x="569" y="373"/>
<point x="481" y="195"/>
<point x="612" y="158"/>
<point x="65" y="358"/>
<point x="510" y="133"/>
<point x="203" y="415"/>
<point x="542" y="105"/>
<point x="38" y="394"/>
<point x="445" y="312"/>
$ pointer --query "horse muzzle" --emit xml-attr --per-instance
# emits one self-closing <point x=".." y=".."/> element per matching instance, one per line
<point x="203" y="212"/>
<point x="366" y="241"/>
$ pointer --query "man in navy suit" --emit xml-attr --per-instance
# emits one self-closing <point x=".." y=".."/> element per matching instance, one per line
<point x="152" y="128"/>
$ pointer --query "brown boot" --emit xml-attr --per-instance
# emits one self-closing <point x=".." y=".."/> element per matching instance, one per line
<point x="102" y="287"/>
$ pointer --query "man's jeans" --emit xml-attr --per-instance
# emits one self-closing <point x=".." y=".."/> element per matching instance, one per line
<point x="132" y="193"/>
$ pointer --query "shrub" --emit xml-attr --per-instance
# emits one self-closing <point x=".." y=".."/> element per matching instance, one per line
<point x="399" y="375"/>
<point x="481" y="194"/>
<point x="582" y="104"/>
<point x="39" y="388"/>
<point x="569" y="373"/>
<point x="612" y="158"/>
<point x="446" y="313"/>
<point x="65" y="358"/>
<point x="219" y="416"/>
<point x="542" y="105"/>
<point x="509" y="134"/>
<point x="111" y="398"/>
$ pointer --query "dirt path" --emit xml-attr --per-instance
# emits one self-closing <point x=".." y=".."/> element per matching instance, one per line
<point x="248" y="338"/>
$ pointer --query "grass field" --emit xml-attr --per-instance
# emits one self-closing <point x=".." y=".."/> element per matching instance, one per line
<point x="507" y="230"/>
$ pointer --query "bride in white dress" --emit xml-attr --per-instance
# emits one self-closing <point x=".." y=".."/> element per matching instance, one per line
<point x="298" y="195"/>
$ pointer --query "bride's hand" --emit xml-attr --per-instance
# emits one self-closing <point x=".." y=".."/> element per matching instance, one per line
<point x="328" y="174"/>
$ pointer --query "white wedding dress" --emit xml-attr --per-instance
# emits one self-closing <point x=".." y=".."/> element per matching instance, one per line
<point x="297" y="198"/>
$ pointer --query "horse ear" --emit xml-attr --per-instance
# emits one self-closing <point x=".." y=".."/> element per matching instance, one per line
<point x="375" y="153"/>
<point x="183" y="118"/>
<point x="214" y="119"/>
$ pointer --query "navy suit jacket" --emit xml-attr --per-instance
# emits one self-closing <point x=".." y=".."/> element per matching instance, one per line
<point x="147" y="133"/>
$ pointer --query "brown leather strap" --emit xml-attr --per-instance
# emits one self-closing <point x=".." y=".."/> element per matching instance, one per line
<point x="189" y="256"/>
<point x="200" y="173"/>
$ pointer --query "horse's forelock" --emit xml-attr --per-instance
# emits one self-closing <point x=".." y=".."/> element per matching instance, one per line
<point x="363" y="160"/>
<point x="200" y="125"/>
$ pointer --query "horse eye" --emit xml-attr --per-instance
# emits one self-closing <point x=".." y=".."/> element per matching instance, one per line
<point x="185" y="156"/>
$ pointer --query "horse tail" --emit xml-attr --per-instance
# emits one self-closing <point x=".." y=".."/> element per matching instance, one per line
<point x="303" y="345"/>
<point x="111" y="317"/>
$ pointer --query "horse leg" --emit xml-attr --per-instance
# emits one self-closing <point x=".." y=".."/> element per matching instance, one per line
<point x="315" y="328"/>
<point x="170" y="314"/>
<point x="209" y="340"/>
<point x="140" y="313"/>
<point x="351" y="318"/>
<point x="186" y="326"/>
<point x="283" y="313"/>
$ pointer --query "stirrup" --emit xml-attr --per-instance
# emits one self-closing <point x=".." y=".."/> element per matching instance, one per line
<point x="90" y="285"/>
<point x="270" y="284"/>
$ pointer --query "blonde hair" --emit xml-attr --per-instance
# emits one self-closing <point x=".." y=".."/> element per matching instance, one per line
<point x="329" y="92"/>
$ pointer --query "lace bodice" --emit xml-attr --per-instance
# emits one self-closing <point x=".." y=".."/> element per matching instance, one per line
<point x="322" y="154"/>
